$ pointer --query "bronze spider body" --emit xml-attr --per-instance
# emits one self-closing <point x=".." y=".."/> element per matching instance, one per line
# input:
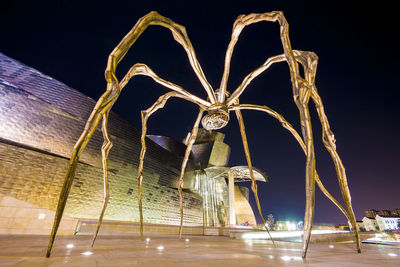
<point x="217" y="107"/>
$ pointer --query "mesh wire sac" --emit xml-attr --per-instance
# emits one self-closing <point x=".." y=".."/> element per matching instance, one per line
<point x="215" y="120"/>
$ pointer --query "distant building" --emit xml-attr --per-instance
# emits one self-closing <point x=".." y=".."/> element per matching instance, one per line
<point x="387" y="222"/>
<point x="382" y="220"/>
<point x="288" y="225"/>
<point x="342" y="227"/>
<point x="360" y="226"/>
<point x="370" y="224"/>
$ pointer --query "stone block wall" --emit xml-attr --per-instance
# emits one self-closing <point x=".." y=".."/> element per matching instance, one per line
<point x="19" y="217"/>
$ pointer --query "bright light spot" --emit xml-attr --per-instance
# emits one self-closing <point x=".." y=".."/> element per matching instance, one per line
<point x="285" y="234"/>
<point x="331" y="246"/>
<point x="287" y="258"/>
<point x="87" y="253"/>
<point x="271" y="257"/>
<point x="160" y="248"/>
<point x="41" y="216"/>
<point x="70" y="245"/>
<point x="290" y="226"/>
<point x="148" y="239"/>
<point x="187" y="240"/>
<point x="392" y="254"/>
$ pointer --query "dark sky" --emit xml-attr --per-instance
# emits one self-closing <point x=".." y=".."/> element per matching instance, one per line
<point x="356" y="78"/>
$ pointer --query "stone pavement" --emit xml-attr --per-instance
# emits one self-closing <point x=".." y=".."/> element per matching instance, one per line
<point x="189" y="251"/>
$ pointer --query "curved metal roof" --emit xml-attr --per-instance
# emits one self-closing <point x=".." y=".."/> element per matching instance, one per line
<point x="240" y="173"/>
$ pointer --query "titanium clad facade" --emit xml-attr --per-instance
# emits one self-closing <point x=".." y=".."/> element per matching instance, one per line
<point x="40" y="121"/>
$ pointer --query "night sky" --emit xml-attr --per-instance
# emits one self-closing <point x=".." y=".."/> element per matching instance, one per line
<point x="356" y="78"/>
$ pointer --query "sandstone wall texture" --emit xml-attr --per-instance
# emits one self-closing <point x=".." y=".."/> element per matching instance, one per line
<point x="40" y="121"/>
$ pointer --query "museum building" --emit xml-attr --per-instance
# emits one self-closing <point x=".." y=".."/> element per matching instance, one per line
<point x="40" y="121"/>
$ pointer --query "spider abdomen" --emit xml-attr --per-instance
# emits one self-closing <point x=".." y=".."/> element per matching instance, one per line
<point x="215" y="119"/>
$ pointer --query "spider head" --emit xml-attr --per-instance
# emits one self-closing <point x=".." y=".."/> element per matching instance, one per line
<point x="215" y="119"/>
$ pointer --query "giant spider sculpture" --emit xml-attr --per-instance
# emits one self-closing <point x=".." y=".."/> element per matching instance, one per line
<point x="217" y="108"/>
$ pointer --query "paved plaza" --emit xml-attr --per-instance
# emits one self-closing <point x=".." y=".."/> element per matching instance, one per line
<point x="188" y="251"/>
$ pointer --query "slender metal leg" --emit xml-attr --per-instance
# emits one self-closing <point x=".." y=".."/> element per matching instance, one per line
<point x="160" y="103"/>
<point x="309" y="60"/>
<point x="190" y="143"/>
<point x="104" y="103"/>
<point x="140" y="168"/>
<point x="105" y="149"/>
<point x="250" y="165"/>
<point x="329" y="142"/>
<point x="179" y="34"/>
<point x="301" y="93"/>
<point x="310" y="178"/>
<point x="301" y="96"/>
<point x="289" y="127"/>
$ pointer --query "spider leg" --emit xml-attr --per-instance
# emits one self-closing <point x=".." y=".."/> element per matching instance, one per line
<point x="179" y="34"/>
<point x="300" y="57"/>
<point x="143" y="69"/>
<point x="301" y="95"/>
<point x="105" y="149"/>
<point x="190" y="143"/>
<point x="310" y="178"/>
<point x="160" y="103"/>
<point x="246" y="81"/>
<point x="289" y="127"/>
<point x="104" y="105"/>
<point x="240" y="23"/>
<point x="309" y="60"/>
<point x="250" y="165"/>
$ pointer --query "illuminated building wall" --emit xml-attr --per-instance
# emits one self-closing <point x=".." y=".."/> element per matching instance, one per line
<point x="40" y="121"/>
<point x="211" y="181"/>
<point x="370" y="224"/>
<point x="387" y="222"/>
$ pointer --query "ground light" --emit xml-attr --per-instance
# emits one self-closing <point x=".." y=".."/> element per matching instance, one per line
<point x="285" y="234"/>
<point x="288" y="258"/>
